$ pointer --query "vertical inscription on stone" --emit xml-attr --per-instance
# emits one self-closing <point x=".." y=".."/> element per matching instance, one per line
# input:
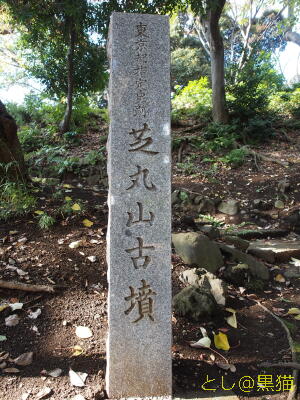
<point x="139" y="229"/>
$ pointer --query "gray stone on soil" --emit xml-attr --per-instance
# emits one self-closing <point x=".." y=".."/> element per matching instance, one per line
<point x="276" y="250"/>
<point x="292" y="272"/>
<point x="210" y="231"/>
<point x="207" y="206"/>
<point x="175" y="197"/>
<point x="194" y="303"/>
<point x="249" y="234"/>
<point x="139" y="362"/>
<point x="238" y="274"/>
<point x="238" y="242"/>
<point x="197" y="200"/>
<point x="229" y="207"/>
<point x="257" y="269"/>
<point x="206" y="281"/>
<point x="196" y="248"/>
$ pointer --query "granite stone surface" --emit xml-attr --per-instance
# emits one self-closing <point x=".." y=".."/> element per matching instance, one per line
<point x="139" y="228"/>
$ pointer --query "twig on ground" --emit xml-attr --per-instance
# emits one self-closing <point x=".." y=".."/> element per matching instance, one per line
<point x="293" y="393"/>
<point x="26" y="287"/>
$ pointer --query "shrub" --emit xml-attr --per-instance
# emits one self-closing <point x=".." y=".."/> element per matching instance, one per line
<point x="15" y="200"/>
<point x="220" y="136"/>
<point x="193" y="101"/>
<point x="46" y="221"/>
<point x="286" y="103"/>
<point x="235" y="157"/>
<point x="250" y="88"/>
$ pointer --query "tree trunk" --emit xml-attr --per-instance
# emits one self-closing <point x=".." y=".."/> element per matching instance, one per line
<point x="220" y="112"/>
<point x="65" y="123"/>
<point x="12" y="164"/>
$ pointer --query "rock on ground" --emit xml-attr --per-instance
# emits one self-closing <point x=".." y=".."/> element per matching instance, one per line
<point x="194" y="303"/>
<point x="257" y="268"/>
<point x="196" y="248"/>
<point x="206" y="281"/>
<point x="275" y="250"/>
<point x="229" y="207"/>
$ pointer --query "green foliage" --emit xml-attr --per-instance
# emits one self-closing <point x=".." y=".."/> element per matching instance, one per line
<point x="286" y="103"/>
<point x="220" y="136"/>
<point x="187" y="167"/>
<point x="211" y="220"/>
<point x="250" y="87"/>
<point x="45" y="37"/>
<point x="183" y="196"/>
<point x="46" y="221"/>
<point x="104" y="114"/>
<point x="193" y="101"/>
<point x="71" y="137"/>
<point x="257" y="129"/>
<point x="235" y="157"/>
<point x="15" y="200"/>
<point x="187" y="65"/>
<point x="94" y="157"/>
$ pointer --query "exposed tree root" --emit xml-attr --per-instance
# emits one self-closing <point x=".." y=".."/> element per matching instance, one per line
<point x="261" y="157"/>
<point x="293" y="393"/>
<point x="191" y="128"/>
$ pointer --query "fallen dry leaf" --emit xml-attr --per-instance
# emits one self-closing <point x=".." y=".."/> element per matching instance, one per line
<point x="11" y="370"/>
<point x="78" y="350"/>
<point x="231" y="320"/>
<point x="87" y="223"/>
<point x="76" y="207"/>
<point x="279" y="278"/>
<point x="226" y="367"/>
<point x="12" y="320"/>
<point x="16" y="306"/>
<point x="294" y="311"/>
<point x="74" y="245"/>
<point x="205" y="342"/>
<point x="83" y="332"/>
<point x="43" y="393"/>
<point x="221" y="341"/>
<point x="35" y="314"/>
<point x="54" y="372"/>
<point x="77" y="378"/>
<point x="24" y="359"/>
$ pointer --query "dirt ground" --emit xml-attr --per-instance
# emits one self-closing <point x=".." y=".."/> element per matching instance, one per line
<point x="44" y="257"/>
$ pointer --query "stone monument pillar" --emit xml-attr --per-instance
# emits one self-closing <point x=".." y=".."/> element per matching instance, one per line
<point x="139" y="229"/>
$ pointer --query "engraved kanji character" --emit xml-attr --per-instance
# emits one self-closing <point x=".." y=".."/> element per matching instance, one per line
<point x="145" y="260"/>
<point x="207" y="381"/>
<point x="140" y="142"/>
<point x="140" y="83"/>
<point x="141" y="176"/>
<point x="140" y="217"/>
<point x="224" y="388"/>
<point x="139" y="109"/>
<point x="265" y="382"/>
<point x="141" y="30"/>
<point x="143" y="300"/>
<point x="140" y="70"/>
<point x="284" y="382"/>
